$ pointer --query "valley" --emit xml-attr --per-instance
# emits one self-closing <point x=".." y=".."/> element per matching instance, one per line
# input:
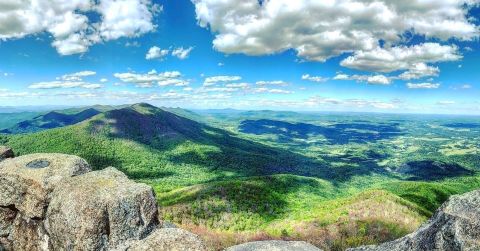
<point x="336" y="180"/>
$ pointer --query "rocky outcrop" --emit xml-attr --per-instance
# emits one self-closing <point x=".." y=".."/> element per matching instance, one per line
<point x="274" y="246"/>
<point x="5" y="153"/>
<point x="455" y="226"/>
<point x="115" y="209"/>
<point x="55" y="202"/>
<point x="169" y="239"/>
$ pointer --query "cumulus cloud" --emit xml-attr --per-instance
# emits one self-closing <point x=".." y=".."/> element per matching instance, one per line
<point x="156" y="53"/>
<point x="220" y="79"/>
<point x="151" y="78"/>
<point x="401" y="57"/>
<point x="72" y="80"/>
<point x="103" y="80"/>
<point x="423" y="86"/>
<point x="420" y="70"/>
<point x="370" y="79"/>
<point x="317" y="79"/>
<point x="272" y="91"/>
<point x="275" y="82"/>
<point x="62" y="84"/>
<point x="319" y="30"/>
<point x="182" y="53"/>
<point x="77" y="76"/>
<point x="72" y="29"/>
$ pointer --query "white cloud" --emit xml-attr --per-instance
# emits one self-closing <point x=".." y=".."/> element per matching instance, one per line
<point x="219" y="79"/>
<point x="373" y="79"/>
<point x="318" y="30"/>
<point x="156" y="53"/>
<point x="275" y="82"/>
<point x="103" y="80"/>
<point x="317" y="79"/>
<point x="423" y="86"/>
<point x="72" y="29"/>
<point x="77" y="76"/>
<point x="466" y="86"/>
<point x="238" y="85"/>
<point x="151" y="78"/>
<point x="420" y="70"/>
<point x="446" y="102"/>
<point x="173" y="82"/>
<point x="378" y="79"/>
<point x="401" y="57"/>
<point x="63" y="84"/>
<point x="273" y="91"/>
<point x="182" y="53"/>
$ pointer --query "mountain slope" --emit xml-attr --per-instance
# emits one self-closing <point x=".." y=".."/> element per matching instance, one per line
<point x="50" y="120"/>
<point x="149" y="143"/>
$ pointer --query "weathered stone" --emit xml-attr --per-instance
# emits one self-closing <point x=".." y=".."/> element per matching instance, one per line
<point x="25" y="182"/>
<point x="169" y="239"/>
<point x="455" y="226"/>
<point x="274" y="246"/>
<point x="7" y="216"/>
<point x="100" y="210"/>
<point x="29" y="234"/>
<point x="5" y="153"/>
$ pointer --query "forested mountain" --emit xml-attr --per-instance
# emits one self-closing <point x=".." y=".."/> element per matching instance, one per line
<point x="234" y="176"/>
<point x="50" y="120"/>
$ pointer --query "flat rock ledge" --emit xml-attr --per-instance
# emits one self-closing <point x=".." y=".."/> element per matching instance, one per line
<point x="56" y="202"/>
<point x="455" y="226"/>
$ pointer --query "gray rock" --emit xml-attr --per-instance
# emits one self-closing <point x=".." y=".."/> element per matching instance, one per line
<point x="167" y="224"/>
<point x="26" y="187"/>
<point x="100" y="210"/>
<point x="455" y="226"/>
<point x="170" y="239"/>
<point x="29" y="234"/>
<point x="7" y="216"/>
<point x="274" y="246"/>
<point x="6" y="153"/>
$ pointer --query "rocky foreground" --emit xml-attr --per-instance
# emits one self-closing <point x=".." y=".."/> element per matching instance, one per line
<point x="56" y="202"/>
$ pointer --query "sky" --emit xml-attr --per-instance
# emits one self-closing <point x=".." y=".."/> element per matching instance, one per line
<point x="415" y="56"/>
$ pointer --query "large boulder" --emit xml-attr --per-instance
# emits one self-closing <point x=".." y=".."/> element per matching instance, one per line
<point x="26" y="182"/>
<point x="54" y="202"/>
<point x="455" y="226"/>
<point x="6" y="153"/>
<point x="274" y="246"/>
<point x="170" y="239"/>
<point x="100" y="210"/>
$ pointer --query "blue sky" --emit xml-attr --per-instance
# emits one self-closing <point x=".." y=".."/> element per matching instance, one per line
<point x="370" y="55"/>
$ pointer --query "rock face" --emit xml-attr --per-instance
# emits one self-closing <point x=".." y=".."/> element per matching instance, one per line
<point x="115" y="209"/>
<point x="5" y="153"/>
<point x="55" y="202"/>
<point x="173" y="239"/>
<point x="274" y="246"/>
<point x="455" y="226"/>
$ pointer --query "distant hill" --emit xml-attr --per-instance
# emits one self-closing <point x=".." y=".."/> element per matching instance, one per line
<point x="50" y="120"/>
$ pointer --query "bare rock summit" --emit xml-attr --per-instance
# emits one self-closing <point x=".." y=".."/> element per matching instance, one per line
<point x="55" y="202"/>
